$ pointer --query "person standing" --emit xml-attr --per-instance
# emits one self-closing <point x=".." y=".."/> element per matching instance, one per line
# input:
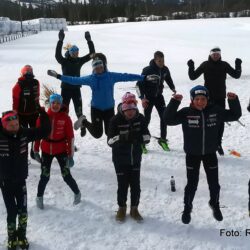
<point x="25" y="95"/>
<point x="215" y="72"/>
<point x="200" y="125"/>
<point x="71" y="66"/>
<point x="60" y="145"/>
<point x="127" y="131"/>
<point x="14" y="141"/>
<point x="151" y="93"/>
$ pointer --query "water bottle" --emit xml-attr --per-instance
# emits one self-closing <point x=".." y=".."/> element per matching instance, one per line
<point x="172" y="184"/>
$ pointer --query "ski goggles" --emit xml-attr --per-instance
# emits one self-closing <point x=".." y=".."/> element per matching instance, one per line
<point x="97" y="63"/>
<point x="8" y="116"/>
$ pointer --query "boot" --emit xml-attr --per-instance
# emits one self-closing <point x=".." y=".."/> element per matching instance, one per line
<point x="121" y="214"/>
<point x="186" y="214"/>
<point x="12" y="237"/>
<point x="216" y="211"/>
<point x="77" y="199"/>
<point x="134" y="213"/>
<point x="164" y="144"/>
<point x="144" y="149"/>
<point x="39" y="202"/>
<point x="22" y="240"/>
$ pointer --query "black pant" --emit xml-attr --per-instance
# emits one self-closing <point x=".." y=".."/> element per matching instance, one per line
<point x="159" y="104"/>
<point x="65" y="171"/>
<point x="221" y="103"/>
<point x="75" y="95"/>
<point x="210" y="163"/>
<point x="15" y="199"/>
<point x="128" y="175"/>
<point x="98" y="117"/>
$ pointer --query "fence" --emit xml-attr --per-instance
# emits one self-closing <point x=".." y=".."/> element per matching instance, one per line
<point x="12" y="37"/>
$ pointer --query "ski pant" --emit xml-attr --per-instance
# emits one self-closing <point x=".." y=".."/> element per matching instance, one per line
<point x="75" y="95"/>
<point x="221" y="103"/>
<point x="128" y="175"/>
<point x="160" y="105"/>
<point x="210" y="163"/>
<point x="15" y="199"/>
<point x="45" y="174"/>
<point x="98" y="117"/>
<point x="28" y="121"/>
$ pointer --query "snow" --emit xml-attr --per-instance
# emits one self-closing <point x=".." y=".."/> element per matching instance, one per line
<point x="91" y="224"/>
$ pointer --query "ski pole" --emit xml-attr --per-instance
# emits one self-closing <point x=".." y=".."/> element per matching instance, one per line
<point x="242" y="124"/>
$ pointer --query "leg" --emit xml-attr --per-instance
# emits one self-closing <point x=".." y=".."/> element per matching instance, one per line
<point x="66" y="95"/>
<point x="65" y="171"/>
<point x="134" y="182"/>
<point x="210" y="163"/>
<point x="148" y="111"/>
<point x="32" y="124"/>
<point x="193" y="168"/>
<point x="45" y="173"/>
<point x="95" y="128"/>
<point x="122" y="179"/>
<point x="160" y="106"/>
<point x="8" y="192"/>
<point x="108" y="114"/>
<point x="77" y="100"/>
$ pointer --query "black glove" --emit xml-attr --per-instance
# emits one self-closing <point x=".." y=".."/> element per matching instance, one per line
<point x="87" y="36"/>
<point x="238" y="62"/>
<point x="53" y="73"/>
<point x="61" y="35"/>
<point x="190" y="63"/>
<point x="40" y="110"/>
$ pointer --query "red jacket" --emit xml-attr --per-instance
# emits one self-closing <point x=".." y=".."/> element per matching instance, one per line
<point x="25" y="94"/>
<point x="61" y="138"/>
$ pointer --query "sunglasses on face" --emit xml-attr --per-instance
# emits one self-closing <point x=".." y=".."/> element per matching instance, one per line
<point x="97" y="63"/>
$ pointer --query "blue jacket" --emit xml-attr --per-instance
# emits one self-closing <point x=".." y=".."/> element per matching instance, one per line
<point x="102" y="86"/>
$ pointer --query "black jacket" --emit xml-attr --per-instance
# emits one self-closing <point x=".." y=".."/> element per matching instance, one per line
<point x="215" y="74"/>
<point x="150" y="89"/>
<point x="125" y="137"/>
<point x="14" y="149"/>
<point x="200" y="128"/>
<point x="72" y="66"/>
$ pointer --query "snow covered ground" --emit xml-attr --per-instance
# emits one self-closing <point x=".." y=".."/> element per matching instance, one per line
<point x="91" y="225"/>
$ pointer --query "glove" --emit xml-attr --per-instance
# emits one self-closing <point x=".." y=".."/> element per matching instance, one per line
<point x="144" y="103"/>
<point x="190" y="63"/>
<point x="70" y="162"/>
<point x="61" y="35"/>
<point x="238" y="62"/>
<point x="53" y="73"/>
<point x="37" y="157"/>
<point x="87" y="36"/>
<point x="152" y="78"/>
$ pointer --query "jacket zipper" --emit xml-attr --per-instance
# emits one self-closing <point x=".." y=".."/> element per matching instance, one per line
<point x="132" y="158"/>
<point x="203" y="133"/>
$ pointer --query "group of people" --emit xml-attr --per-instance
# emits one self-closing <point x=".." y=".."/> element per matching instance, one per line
<point x="127" y="130"/>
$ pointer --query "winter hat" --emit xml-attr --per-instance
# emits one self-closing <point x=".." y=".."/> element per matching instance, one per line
<point x="215" y="50"/>
<point x="97" y="63"/>
<point x="129" y="101"/>
<point x="73" y="49"/>
<point x="27" y="70"/>
<point x="8" y="116"/>
<point x="55" y="98"/>
<point x="198" y="90"/>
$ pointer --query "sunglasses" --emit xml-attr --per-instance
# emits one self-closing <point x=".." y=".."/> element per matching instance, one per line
<point x="97" y="63"/>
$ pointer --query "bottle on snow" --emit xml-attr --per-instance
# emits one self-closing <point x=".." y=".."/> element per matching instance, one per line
<point x="172" y="184"/>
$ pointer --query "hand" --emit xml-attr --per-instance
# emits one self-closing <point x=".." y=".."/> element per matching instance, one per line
<point x="190" y="63"/>
<point x="87" y="36"/>
<point x="70" y="162"/>
<point x="37" y="157"/>
<point x="52" y="73"/>
<point x="174" y="91"/>
<point x="61" y="35"/>
<point x="238" y="62"/>
<point x="152" y="78"/>
<point x="178" y="97"/>
<point x="231" y="96"/>
<point x="144" y="103"/>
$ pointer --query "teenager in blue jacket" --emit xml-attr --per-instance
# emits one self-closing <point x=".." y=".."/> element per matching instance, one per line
<point x="101" y="82"/>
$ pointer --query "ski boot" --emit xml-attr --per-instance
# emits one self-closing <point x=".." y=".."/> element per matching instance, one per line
<point x="186" y="214"/>
<point x="121" y="214"/>
<point x="77" y="198"/>
<point x="22" y="240"/>
<point x="164" y="144"/>
<point x="12" y="237"/>
<point x="216" y="211"/>
<point x="134" y="213"/>
<point x="39" y="202"/>
<point x="144" y="149"/>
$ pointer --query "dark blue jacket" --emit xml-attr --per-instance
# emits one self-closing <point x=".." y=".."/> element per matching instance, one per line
<point x="200" y="128"/>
